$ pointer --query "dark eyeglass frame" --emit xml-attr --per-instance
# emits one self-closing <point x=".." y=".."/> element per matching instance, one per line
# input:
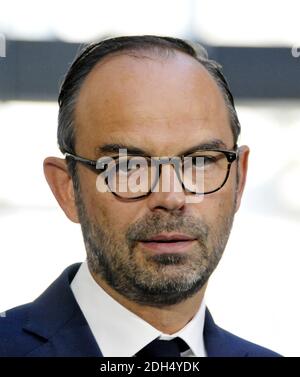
<point x="231" y="156"/>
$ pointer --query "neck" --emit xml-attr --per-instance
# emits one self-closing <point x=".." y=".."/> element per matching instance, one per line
<point x="168" y="319"/>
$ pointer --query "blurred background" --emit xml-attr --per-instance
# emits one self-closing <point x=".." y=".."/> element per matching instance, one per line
<point x="254" y="292"/>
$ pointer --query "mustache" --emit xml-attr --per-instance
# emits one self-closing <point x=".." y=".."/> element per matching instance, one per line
<point x="153" y="224"/>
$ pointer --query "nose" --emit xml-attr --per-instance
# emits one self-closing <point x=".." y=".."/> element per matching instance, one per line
<point x="168" y="193"/>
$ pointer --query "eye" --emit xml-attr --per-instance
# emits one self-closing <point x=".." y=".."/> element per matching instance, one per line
<point x="130" y="164"/>
<point x="201" y="161"/>
<point x="208" y="160"/>
<point x="123" y="167"/>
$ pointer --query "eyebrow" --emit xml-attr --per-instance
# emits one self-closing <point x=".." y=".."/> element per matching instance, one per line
<point x="209" y="144"/>
<point x="113" y="148"/>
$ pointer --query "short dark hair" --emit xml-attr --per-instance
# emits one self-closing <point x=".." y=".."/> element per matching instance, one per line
<point x="95" y="52"/>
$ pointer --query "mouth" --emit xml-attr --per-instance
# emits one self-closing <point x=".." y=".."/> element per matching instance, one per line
<point x="167" y="243"/>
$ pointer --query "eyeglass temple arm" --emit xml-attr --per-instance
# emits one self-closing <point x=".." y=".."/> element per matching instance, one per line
<point x="89" y="163"/>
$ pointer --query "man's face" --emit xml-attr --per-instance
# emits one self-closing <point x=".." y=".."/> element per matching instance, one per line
<point x="164" y="106"/>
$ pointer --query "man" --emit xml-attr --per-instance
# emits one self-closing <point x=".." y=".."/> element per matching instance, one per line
<point x="130" y="101"/>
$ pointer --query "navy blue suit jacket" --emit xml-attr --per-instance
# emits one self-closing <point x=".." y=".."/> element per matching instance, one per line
<point x="53" y="325"/>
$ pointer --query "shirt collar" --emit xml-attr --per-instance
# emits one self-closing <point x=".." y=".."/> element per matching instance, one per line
<point x="118" y="331"/>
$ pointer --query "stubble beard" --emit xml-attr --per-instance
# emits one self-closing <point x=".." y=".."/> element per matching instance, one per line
<point x="155" y="280"/>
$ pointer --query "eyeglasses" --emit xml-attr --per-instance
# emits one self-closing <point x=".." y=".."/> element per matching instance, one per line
<point x="134" y="176"/>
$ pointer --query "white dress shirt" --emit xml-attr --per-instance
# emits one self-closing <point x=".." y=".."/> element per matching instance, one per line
<point x="120" y="332"/>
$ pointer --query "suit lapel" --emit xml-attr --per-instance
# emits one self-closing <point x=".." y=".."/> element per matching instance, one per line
<point x="218" y="341"/>
<point x="56" y="317"/>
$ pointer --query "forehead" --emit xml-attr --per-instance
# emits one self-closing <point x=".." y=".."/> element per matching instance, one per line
<point x="158" y="103"/>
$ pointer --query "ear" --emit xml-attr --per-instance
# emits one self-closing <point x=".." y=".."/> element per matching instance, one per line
<point x="242" y="167"/>
<point x="60" y="182"/>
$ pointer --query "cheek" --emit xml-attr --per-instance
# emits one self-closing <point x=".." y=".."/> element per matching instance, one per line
<point x="111" y="213"/>
<point x="104" y="209"/>
<point x="216" y="206"/>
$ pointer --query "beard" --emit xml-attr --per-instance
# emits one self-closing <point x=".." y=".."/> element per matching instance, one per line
<point x="154" y="280"/>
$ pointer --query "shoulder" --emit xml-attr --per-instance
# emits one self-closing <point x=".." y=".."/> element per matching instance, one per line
<point x="222" y="343"/>
<point x="247" y="348"/>
<point x="25" y="328"/>
<point x="14" y="341"/>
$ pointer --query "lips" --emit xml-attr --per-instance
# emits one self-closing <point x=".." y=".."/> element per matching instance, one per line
<point x="169" y="243"/>
<point x="169" y="237"/>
